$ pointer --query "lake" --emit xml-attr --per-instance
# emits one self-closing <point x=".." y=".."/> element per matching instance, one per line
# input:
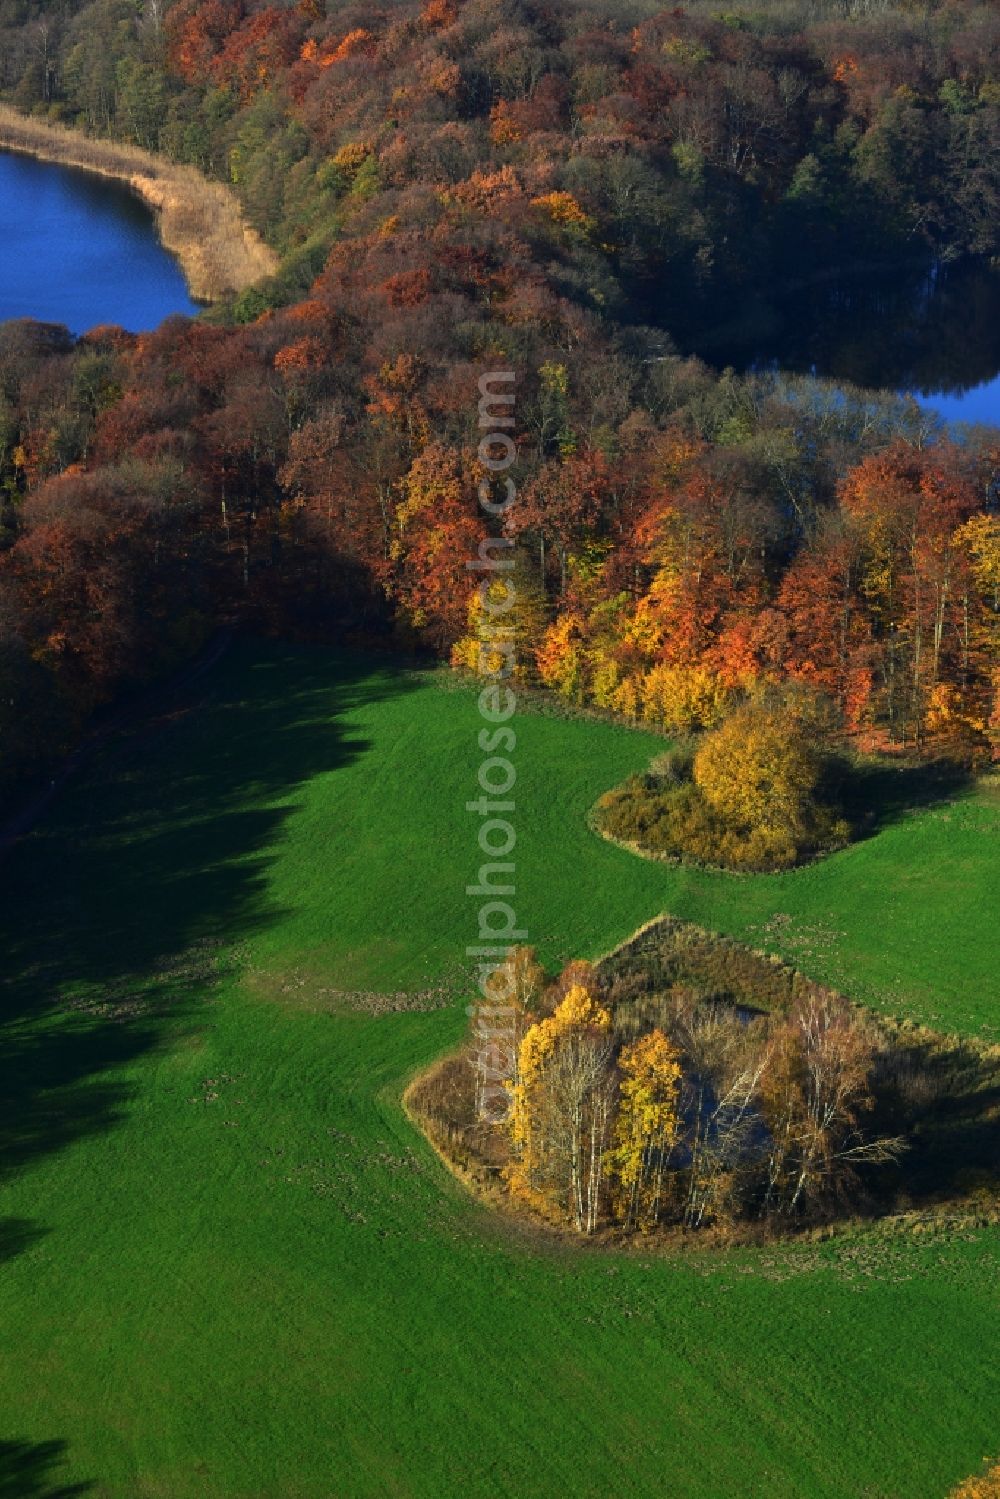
<point x="79" y="249"/>
<point x="931" y="333"/>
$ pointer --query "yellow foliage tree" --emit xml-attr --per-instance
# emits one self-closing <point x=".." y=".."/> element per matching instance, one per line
<point x="646" y="1127"/>
<point x="758" y="773"/>
<point x="564" y="210"/>
<point x="349" y="159"/>
<point x="506" y="621"/>
<point x="561" y="1111"/>
<point x="625" y="698"/>
<point x="951" y="717"/>
<point x="980" y="538"/>
<point x="561" y="657"/>
<point x="683" y="698"/>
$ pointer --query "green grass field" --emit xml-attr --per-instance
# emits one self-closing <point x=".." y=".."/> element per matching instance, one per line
<point x="230" y="1267"/>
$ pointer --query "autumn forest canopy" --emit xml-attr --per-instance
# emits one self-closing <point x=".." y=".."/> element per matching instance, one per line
<point x="710" y="1025"/>
<point x="562" y="190"/>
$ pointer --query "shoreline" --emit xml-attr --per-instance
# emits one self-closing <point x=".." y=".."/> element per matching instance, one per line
<point x="199" y="221"/>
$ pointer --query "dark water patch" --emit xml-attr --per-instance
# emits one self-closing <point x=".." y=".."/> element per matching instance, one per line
<point x="930" y="332"/>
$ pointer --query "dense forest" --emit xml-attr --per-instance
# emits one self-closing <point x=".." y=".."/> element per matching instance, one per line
<point x="558" y="189"/>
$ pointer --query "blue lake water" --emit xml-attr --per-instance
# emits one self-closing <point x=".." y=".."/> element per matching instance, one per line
<point x="980" y="405"/>
<point x="930" y="333"/>
<point x="81" y="250"/>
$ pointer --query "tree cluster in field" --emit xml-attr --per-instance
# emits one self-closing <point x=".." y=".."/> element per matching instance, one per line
<point x="456" y="191"/>
<point x="706" y="1088"/>
<point x="753" y="794"/>
<point x="689" y="1083"/>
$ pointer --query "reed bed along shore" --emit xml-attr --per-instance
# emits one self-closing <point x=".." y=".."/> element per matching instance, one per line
<point x="199" y="220"/>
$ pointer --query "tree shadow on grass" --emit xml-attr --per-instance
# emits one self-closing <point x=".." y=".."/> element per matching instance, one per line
<point x="121" y="905"/>
<point x="876" y="794"/>
<point x="17" y="1235"/>
<point x="942" y="1094"/>
<point x="958" y="1149"/>
<point x="26" y="1472"/>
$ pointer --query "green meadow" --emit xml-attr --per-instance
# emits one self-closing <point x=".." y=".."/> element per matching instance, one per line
<point x="229" y="1266"/>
